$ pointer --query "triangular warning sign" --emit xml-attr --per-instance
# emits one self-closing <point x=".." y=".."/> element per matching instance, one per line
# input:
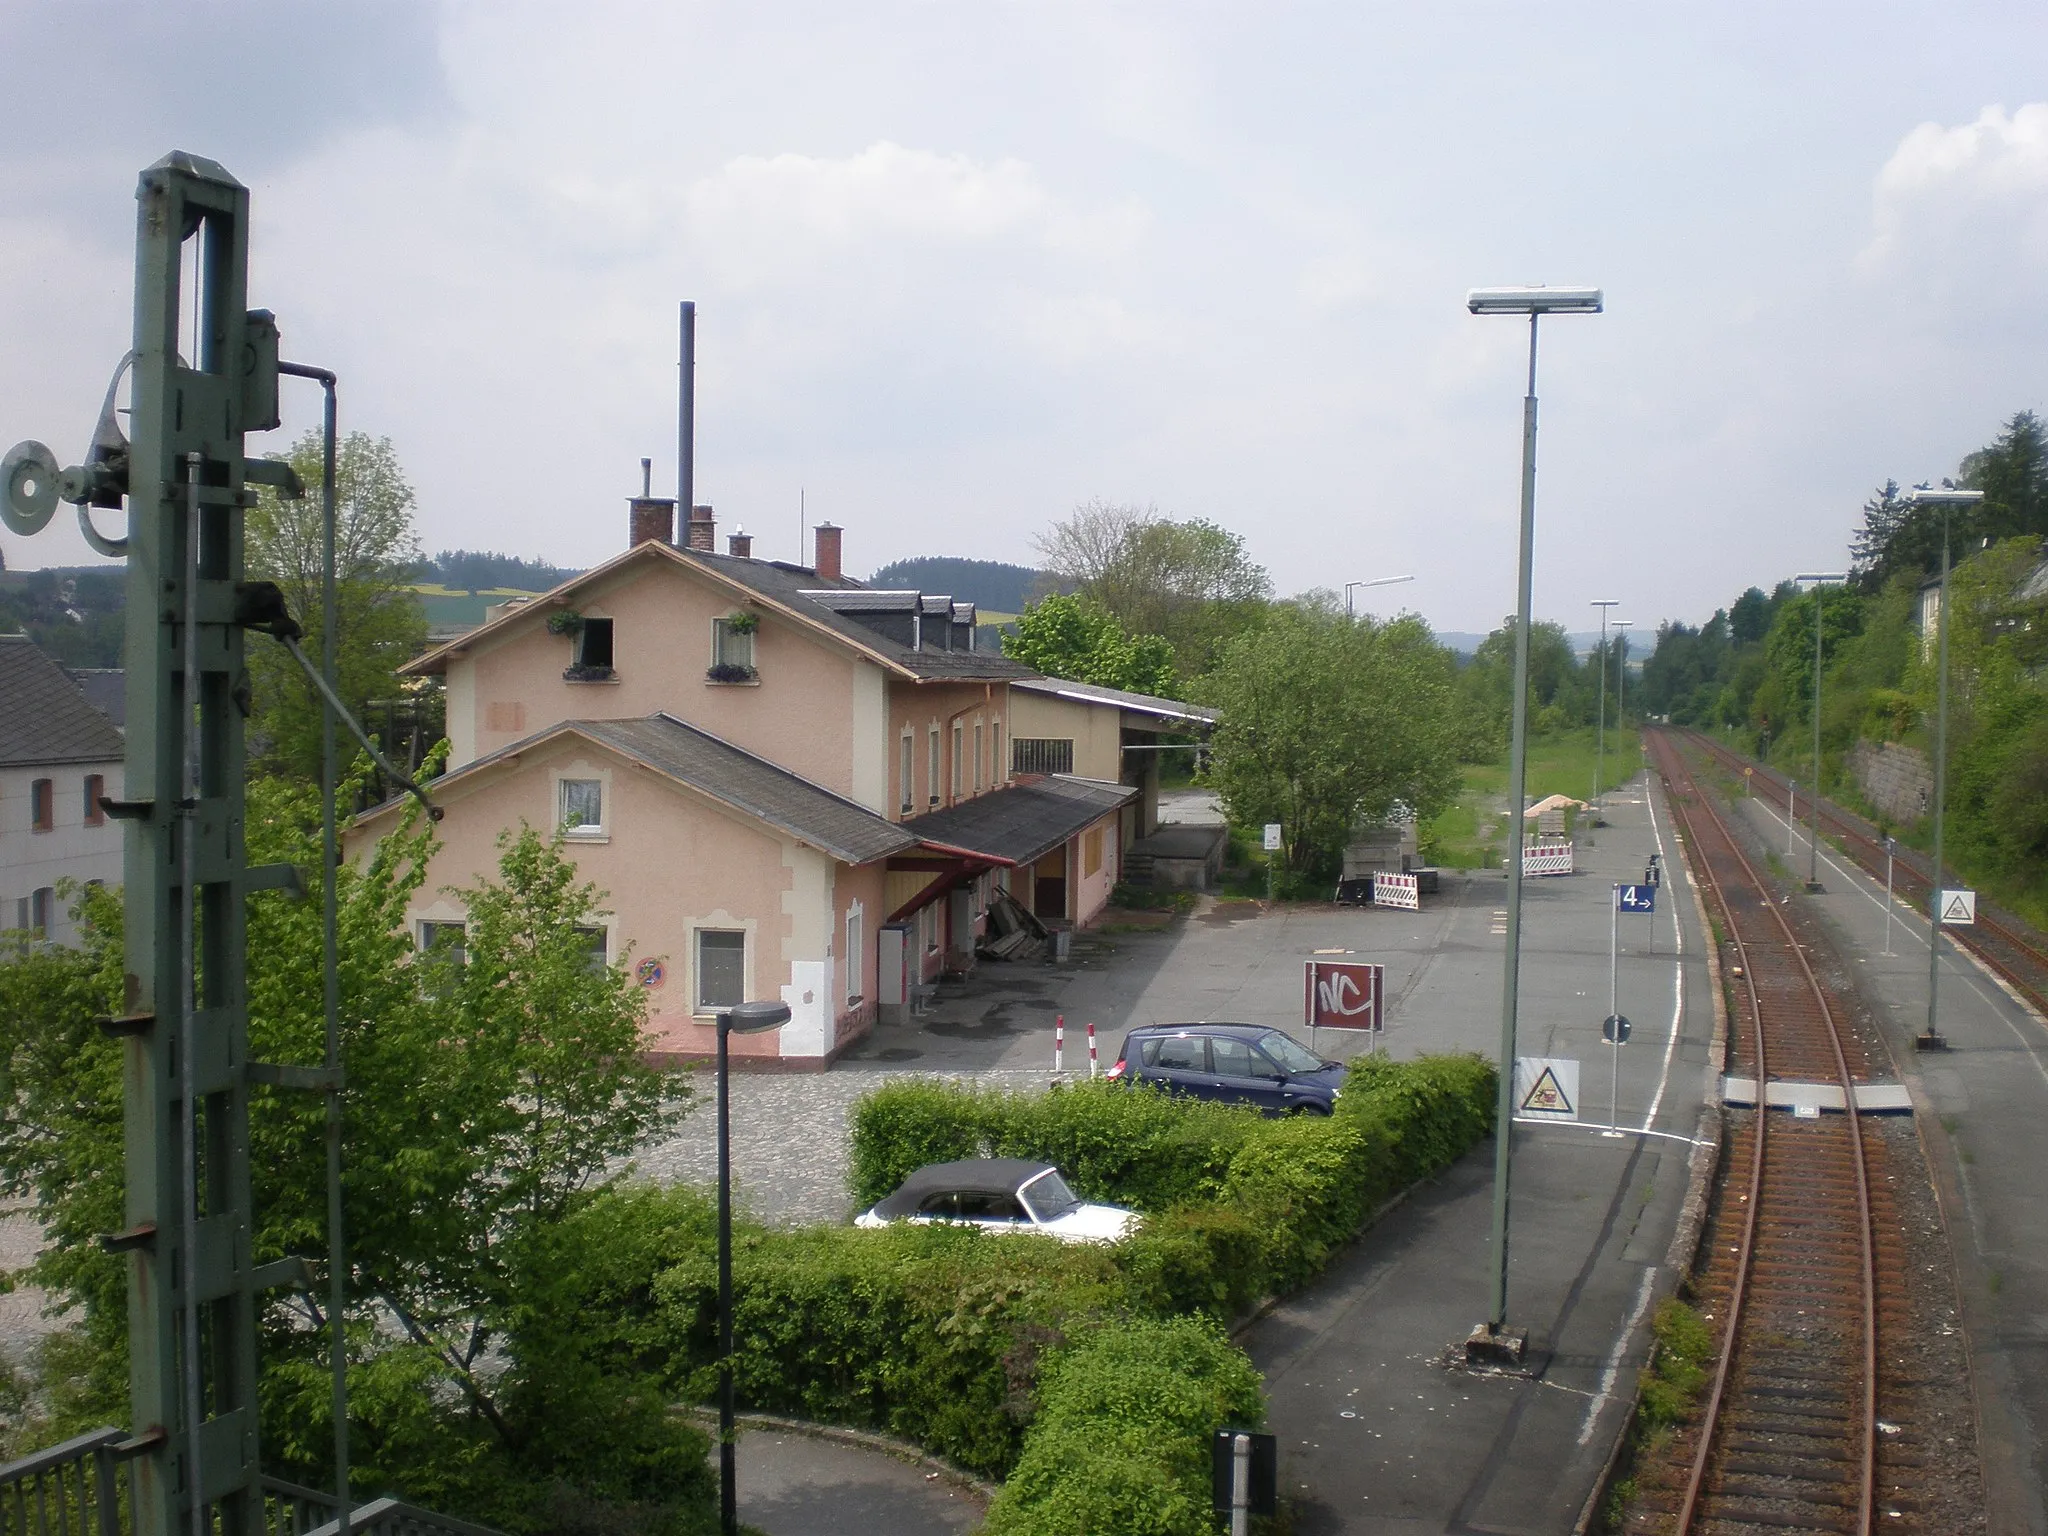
<point x="1546" y="1096"/>
<point x="1958" y="908"/>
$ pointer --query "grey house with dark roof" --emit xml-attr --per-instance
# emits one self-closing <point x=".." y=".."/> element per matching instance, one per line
<point x="58" y="757"/>
<point x="788" y="784"/>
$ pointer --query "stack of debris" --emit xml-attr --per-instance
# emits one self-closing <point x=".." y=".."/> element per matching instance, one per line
<point x="1011" y="928"/>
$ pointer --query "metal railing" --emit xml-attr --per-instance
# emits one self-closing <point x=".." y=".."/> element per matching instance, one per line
<point x="81" y="1488"/>
<point x="73" y="1489"/>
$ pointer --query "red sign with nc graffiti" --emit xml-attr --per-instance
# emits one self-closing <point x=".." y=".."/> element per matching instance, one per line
<point x="1344" y="994"/>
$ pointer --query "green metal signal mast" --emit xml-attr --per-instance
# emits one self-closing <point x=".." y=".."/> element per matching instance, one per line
<point x="205" y="374"/>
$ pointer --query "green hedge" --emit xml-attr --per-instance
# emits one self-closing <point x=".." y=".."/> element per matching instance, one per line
<point x="1121" y="1442"/>
<point x="1238" y="1206"/>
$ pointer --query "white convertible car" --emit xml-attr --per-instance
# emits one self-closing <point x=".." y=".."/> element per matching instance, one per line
<point x="1001" y="1194"/>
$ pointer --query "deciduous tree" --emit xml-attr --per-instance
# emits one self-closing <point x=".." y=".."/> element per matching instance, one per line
<point x="1076" y="638"/>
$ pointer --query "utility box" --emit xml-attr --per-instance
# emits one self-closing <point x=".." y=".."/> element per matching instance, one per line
<point x="898" y="954"/>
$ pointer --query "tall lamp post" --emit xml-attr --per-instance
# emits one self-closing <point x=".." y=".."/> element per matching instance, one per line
<point x="1925" y="496"/>
<point x="1816" y="581"/>
<point x="1377" y="581"/>
<point x="1600" y="740"/>
<point x="741" y="1019"/>
<point x="1492" y="1341"/>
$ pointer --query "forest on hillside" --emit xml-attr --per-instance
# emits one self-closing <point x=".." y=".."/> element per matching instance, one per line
<point x="1748" y="672"/>
<point x="994" y="585"/>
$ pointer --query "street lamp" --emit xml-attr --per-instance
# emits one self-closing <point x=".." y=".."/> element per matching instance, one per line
<point x="1816" y="581"/>
<point x="1600" y="747"/>
<point x="741" y="1019"/>
<point x="1492" y="1342"/>
<point x="1925" y="496"/>
<point x="1377" y="581"/>
<point x="1622" y="627"/>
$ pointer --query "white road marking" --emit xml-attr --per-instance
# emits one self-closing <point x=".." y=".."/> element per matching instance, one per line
<point x="1613" y="1370"/>
<point x="1677" y="973"/>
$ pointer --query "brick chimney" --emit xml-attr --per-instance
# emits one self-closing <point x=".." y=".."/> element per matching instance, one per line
<point x="652" y="518"/>
<point x="825" y="556"/>
<point x="740" y="543"/>
<point x="703" y="530"/>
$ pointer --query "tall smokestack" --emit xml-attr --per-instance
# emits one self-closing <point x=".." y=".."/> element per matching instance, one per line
<point x="686" y="412"/>
<point x="825" y="543"/>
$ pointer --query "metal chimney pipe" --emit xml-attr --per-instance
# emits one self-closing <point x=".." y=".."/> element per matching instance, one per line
<point x="686" y="414"/>
<point x="646" y="478"/>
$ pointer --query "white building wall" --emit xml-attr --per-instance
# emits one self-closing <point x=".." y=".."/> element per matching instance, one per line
<point x="70" y="850"/>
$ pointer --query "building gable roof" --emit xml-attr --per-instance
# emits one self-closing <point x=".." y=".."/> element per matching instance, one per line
<point x="44" y="716"/>
<point x="781" y="587"/>
<point x="1132" y="703"/>
<point x="730" y="775"/>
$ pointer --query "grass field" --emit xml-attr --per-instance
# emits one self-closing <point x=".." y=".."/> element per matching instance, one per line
<point x="1472" y="833"/>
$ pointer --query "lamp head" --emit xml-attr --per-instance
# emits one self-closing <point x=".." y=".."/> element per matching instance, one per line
<point x="752" y="1018"/>
<point x="1927" y="496"/>
<point x="1534" y="299"/>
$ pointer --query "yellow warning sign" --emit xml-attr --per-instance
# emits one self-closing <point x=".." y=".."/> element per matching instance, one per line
<point x="1546" y="1088"/>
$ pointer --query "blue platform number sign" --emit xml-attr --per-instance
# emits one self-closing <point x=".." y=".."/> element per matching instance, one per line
<point x="1636" y="898"/>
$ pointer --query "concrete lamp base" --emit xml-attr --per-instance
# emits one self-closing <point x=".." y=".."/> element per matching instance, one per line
<point x="1496" y="1349"/>
<point x="1930" y="1041"/>
<point x="1815" y="888"/>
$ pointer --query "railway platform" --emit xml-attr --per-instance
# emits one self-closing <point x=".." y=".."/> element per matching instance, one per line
<point x="1380" y="1427"/>
<point x="1983" y="1119"/>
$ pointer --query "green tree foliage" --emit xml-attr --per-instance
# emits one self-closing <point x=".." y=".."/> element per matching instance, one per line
<point x="1191" y="582"/>
<point x="1327" y="721"/>
<point x="474" y="570"/>
<point x="72" y="612"/>
<point x="1560" y="688"/>
<point x="1074" y="637"/>
<point x="1749" y="620"/>
<point x="1875" y="551"/>
<point x="378" y="620"/>
<point x="489" y="1104"/>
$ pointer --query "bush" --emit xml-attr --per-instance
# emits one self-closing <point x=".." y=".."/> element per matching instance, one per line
<point x="1122" y="1439"/>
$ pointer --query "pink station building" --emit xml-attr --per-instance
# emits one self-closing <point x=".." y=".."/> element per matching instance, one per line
<point x="787" y="784"/>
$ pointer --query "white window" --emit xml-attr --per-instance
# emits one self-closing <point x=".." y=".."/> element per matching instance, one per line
<point x="721" y="968"/>
<point x="42" y="908"/>
<point x="732" y="649"/>
<point x="977" y="757"/>
<point x="958" y="763"/>
<point x="907" y="791"/>
<point x="931" y="777"/>
<point x="582" y="807"/>
<point x="855" y="957"/>
<point x="599" y="942"/>
<point x="996" y="765"/>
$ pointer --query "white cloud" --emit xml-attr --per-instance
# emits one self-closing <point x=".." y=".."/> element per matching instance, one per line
<point x="1964" y="206"/>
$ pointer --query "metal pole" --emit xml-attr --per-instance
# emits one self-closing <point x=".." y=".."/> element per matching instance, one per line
<point x="1518" y="784"/>
<point x="686" y="420"/>
<point x="1813" y="843"/>
<point x="1240" y="1485"/>
<point x="1791" y="816"/>
<point x="1600" y="747"/>
<point x="728" y="1472"/>
<point x="1888" y="897"/>
<point x="1940" y="790"/>
<point x="337" y="1273"/>
<point x="1614" y="1004"/>
<point x="188" y="998"/>
<point x="1621" y="679"/>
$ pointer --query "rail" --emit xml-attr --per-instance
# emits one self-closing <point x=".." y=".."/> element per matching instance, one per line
<point x="1720" y="846"/>
<point x="2006" y="944"/>
<point x="82" y="1488"/>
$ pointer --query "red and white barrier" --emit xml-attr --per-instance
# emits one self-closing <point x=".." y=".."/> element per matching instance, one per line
<point x="1091" y="1047"/>
<point x="1059" y="1042"/>
<point x="1390" y="890"/>
<point x="1547" y="859"/>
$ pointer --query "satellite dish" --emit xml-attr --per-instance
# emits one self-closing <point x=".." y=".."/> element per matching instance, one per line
<point x="30" y="475"/>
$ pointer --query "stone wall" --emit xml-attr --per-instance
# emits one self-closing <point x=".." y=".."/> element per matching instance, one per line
<point x="1897" y="780"/>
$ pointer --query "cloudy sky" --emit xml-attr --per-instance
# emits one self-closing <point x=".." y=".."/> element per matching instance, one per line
<point x="961" y="266"/>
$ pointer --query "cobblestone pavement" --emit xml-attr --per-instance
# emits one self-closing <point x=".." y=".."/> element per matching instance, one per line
<point x="789" y="1138"/>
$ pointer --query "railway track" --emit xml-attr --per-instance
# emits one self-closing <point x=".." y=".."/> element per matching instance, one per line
<point x="2015" y="951"/>
<point x="1796" y="1288"/>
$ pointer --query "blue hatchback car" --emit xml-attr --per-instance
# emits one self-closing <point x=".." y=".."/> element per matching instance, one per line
<point x="1235" y="1063"/>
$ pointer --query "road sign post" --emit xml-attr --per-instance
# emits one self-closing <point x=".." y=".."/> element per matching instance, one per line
<point x="1958" y="909"/>
<point x="1546" y="1088"/>
<point x="1890" y="843"/>
<point x="1271" y="843"/>
<point x="1343" y="994"/>
<point x="1615" y="1030"/>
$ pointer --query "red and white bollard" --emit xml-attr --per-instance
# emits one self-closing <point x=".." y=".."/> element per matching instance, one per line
<point x="1059" y="1042"/>
<point x="1091" y="1047"/>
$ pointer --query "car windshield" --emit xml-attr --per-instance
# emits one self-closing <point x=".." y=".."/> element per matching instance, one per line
<point x="1048" y="1197"/>
<point x="1292" y="1058"/>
